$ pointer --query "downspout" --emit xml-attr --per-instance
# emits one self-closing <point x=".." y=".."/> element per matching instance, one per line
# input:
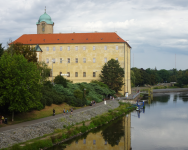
<point x="127" y="70"/>
<point x="124" y="68"/>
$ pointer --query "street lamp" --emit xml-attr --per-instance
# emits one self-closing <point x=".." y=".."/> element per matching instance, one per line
<point x="52" y="71"/>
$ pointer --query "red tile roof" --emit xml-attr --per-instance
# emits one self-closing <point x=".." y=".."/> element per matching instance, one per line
<point x="68" y="38"/>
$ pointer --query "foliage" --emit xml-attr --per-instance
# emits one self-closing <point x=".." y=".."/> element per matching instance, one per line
<point x="27" y="51"/>
<point x="60" y="80"/>
<point x="19" y="83"/>
<point x="44" y="71"/>
<point x="1" y="50"/>
<point x="112" y="75"/>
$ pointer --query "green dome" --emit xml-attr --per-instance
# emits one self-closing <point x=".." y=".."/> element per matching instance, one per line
<point x="46" y="18"/>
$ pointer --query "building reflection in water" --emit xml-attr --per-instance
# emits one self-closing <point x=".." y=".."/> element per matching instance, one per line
<point x="115" y="136"/>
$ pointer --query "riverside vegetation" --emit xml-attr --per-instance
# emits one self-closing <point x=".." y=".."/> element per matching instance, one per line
<point x="72" y="131"/>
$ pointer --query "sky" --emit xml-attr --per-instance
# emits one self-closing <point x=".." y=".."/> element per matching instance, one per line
<point x="157" y="30"/>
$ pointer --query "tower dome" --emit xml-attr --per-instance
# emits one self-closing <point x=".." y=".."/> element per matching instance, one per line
<point x="46" y="18"/>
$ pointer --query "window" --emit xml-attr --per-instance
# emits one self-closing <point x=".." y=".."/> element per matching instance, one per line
<point x="116" y="47"/>
<point x="84" y="60"/>
<point x="53" y="60"/>
<point x="116" y="58"/>
<point x="47" y="60"/>
<point x="94" y="74"/>
<point x="84" y="48"/>
<point x="47" y="48"/>
<point x="68" y="74"/>
<point x="60" y="73"/>
<point x="60" y="60"/>
<point x="61" y="48"/>
<point x="68" y="60"/>
<point x="68" y="48"/>
<point x="53" y="48"/>
<point x="76" y="74"/>
<point x="93" y="47"/>
<point x="76" y="60"/>
<point x="93" y="60"/>
<point x="76" y="48"/>
<point x="105" y="47"/>
<point x="105" y="60"/>
<point x="84" y="74"/>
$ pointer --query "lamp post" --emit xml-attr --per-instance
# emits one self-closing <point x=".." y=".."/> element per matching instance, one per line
<point x="52" y="71"/>
<point x="67" y="66"/>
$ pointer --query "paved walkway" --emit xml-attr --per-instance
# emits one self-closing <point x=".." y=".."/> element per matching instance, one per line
<point x="9" y="127"/>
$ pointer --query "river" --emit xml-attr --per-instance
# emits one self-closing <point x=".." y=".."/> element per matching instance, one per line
<point x="163" y="125"/>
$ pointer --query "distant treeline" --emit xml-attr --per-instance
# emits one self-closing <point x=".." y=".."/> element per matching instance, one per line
<point x="153" y="76"/>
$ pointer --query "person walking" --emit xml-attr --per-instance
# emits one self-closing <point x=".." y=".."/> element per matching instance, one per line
<point x="53" y="112"/>
<point x="67" y="111"/>
<point x="3" y="119"/>
<point x="71" y="111"/>
<point x="64" y="111"/>
<point x="113" y="98"/>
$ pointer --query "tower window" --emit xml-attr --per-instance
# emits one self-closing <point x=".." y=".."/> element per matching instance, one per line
<point x="84" y="74"/>
<point x="76" y="74"/>
<point x="68" y="60"/>
<point x="76" y="60"/>
<point x="53" y="48"/>
<point x="68" y="48"/>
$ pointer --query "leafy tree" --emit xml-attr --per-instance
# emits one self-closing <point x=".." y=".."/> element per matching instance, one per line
<point x="44" y="71"/>
<point x="19" y="84"/>
<point x="27" y="51"/>
<point x="133" y="78"/>
<point x="1" y="50"/>
<point x="112" y="75"/>
<point x="60" y="80"/>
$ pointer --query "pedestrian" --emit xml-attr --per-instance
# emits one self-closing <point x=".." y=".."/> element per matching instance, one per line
<point x="3" y="119"/>
<point x="64" y="111"/>
<point x="67" y="111"/>
<point x="91" y="103"/>
<point x="113" y="98"/>
<point x="71" y="111"/>
<point x="53" y="112"/>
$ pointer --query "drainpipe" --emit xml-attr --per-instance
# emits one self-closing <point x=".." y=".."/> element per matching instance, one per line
<point x="124" y="68"/>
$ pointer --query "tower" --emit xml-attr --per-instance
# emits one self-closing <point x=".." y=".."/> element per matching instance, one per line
<point x="45" y="24"/>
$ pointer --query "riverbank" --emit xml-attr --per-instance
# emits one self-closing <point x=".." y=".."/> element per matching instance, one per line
<point x="23" y="134"/>
<point x="170" y="90"/>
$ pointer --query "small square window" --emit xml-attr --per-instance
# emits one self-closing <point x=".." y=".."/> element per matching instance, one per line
<point x="60" y="60"/>
<point x="68" y="74"/>
<point x="105" y="47"/>
<point x="47" y="48"/>
<point x="116" y="58"/>
<point x="68" y="48"/>
<point x="84" y="74"/>
<point x="61" y="48"/>
<point x="68" y="60"/>
<point x="47" y="60"/>
<point x="53" y="60"/>
<point x="94" y="74"/>
<point x="76" y="60"/>
<point x="53" y="48"/>
<point x="116" y="47"/>
<point x="76" y="48"/>
<point x="84" y="60"/>
<point x="84" y="48"/>
<point x="93" y="47"/>
<point x="76" y="74"/>
<point x="93" y="60"/>
<point x="105" y="60"/>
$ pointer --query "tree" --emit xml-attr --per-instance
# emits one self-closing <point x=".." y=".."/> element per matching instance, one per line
<point x="132" y="78"/>
<point x="19" y="84"/>
<point x="60" y="80"/>
<point x="27" y="51"/>
<point x="44" y="71"/>
<point x="1" y="50"/>
<point x="112" y="75"/>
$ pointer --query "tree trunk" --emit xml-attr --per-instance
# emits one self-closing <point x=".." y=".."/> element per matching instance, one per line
<point x="13" y="116"/>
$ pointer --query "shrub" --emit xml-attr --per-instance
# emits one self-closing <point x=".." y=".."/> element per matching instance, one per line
<point x="60" y="80"/>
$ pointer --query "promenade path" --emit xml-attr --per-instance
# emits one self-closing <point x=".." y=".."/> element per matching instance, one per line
<point x="23" y="124"/>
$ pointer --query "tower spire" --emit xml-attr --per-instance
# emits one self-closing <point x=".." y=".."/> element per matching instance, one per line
<point x="45" y="9"/>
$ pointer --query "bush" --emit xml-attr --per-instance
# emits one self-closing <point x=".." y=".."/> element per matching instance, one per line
<point x="60" y="80"/>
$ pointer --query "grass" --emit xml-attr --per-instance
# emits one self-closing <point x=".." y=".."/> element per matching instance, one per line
<point x="35" y="114"/>
<point x="60" y="135"/>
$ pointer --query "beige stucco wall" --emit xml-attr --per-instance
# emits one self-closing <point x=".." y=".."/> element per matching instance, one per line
<point x="48" y="28"/>
<point x="89" y="67"/>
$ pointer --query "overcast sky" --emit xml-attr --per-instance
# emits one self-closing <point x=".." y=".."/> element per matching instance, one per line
<point x="156" y="29"/>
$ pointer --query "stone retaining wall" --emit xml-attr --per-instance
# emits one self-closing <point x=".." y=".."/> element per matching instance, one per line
<point x="18" y="135"/>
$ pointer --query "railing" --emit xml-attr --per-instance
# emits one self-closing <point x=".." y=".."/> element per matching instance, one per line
<point x="136" y="95"/>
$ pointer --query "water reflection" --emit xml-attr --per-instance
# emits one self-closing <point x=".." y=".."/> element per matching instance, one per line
<point x="113" y="136"/>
